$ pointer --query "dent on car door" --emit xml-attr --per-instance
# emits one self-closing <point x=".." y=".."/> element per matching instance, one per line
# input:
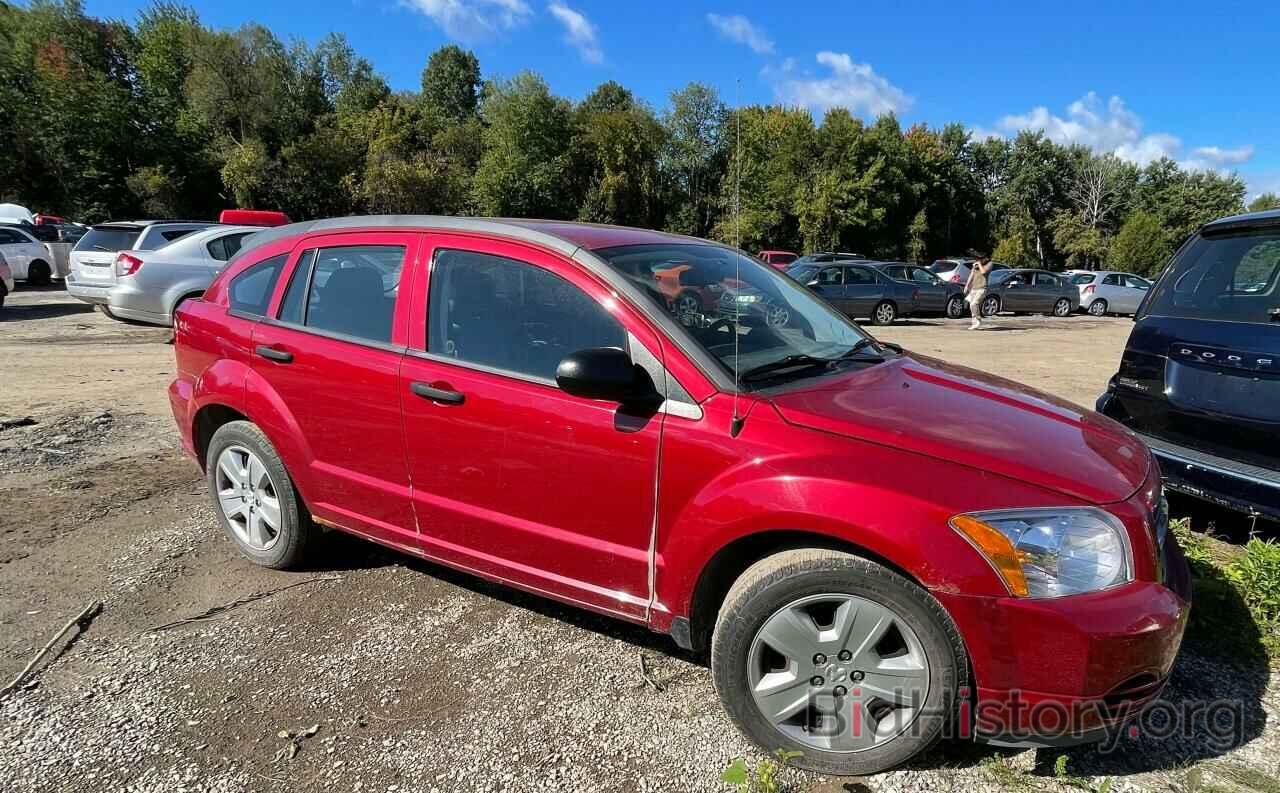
<point x="330" y="358"/>
<point x="513" y="477"/>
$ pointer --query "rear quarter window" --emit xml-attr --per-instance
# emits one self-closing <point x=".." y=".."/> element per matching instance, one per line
<point x="250" y="291"/>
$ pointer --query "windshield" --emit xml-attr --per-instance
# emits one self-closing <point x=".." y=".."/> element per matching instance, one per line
<point x="717" y="300"/>
<point x="1232" y="278"/>
<point x="108" y="238"/>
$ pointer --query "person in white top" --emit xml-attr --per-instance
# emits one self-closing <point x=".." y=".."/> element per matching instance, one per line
<point x="976" y="286"/>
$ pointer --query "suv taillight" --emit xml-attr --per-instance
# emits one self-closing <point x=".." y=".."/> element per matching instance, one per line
<point x="127" y="265"/>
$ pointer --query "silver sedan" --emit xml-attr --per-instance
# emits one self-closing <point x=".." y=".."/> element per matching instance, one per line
<point x="149" y="285"/>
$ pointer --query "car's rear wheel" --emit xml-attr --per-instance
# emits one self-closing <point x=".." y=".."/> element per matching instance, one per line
<point x="884" y="313"/>
<point x="955" y="307"/>
<point x="836" y="657"/>
<point x="1062" y="308"/>
<point x="39" y="274"/>
<point x="1098" y="307"/>
<point x="990" y="306"/>
<point x="254" y="497"/>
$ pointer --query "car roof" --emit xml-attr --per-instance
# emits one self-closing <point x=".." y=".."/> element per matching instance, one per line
<point x="560" y="235"/>
<point x="1266" y="217"/>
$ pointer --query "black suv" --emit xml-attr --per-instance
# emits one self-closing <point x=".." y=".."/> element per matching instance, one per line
<point x="1200" y="376"/>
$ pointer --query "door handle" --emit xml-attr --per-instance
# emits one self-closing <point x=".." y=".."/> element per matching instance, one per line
<point x="272" y="354"/>
<point x="441" y="395"/>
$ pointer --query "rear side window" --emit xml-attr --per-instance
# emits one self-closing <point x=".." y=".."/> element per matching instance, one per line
<point x="1134" y="282"/>
<point x="860" y="276"/>
<point x="11" y="237"/>
<point x="921" y="275"/>
<point x="512" y="316"/>
<point x="1082" y="278"/>
<point x="1231" y="278"/>
<point x="1111" y="280"/>
<point x="108" y="239"/>
<point x="250" y="291"/>
<point x="350" y="290"/>
<point x="1046" y="279"/>
<point x="223" y="248"/>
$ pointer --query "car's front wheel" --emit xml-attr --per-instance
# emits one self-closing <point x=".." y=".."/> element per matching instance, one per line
<point x="254" y="497"/>
<point x="955" y="307"/>
<point x="838" y="658"/>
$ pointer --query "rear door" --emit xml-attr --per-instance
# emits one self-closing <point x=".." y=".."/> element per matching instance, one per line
<point x="1048" y="291"/>
<point x="512" y="477"/>
<point x="1135" y="290"/>
<point x="331" y="355"/>
<point x="862" y="291"/>
<point x="16" y="252"/>
<point x="1202" y="366"/>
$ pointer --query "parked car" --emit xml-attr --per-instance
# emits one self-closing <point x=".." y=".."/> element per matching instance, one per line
<point x="1029" y="291"/>
<point x="1200" y="377"/>
<point x="6" y="280"/>
<point x="150" y="284"/>
<point x="506" y="416"/>
<point x="778" y="259"/>
<point x="28" y="258"/>
<point x="956" y="271"/>
<point x="859" y="290"/>
<point x="93" y="258"/>
<point x="1108" y="291"/>
<point x="933" y="295"/>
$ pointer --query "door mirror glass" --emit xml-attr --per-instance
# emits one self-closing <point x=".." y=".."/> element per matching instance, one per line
<point x="604" y="373"/>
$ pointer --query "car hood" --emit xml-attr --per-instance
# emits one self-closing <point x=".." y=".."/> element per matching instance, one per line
<point x="978" y="420"/>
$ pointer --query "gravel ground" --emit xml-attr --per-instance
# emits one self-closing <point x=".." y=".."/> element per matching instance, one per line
<point x="377" y="672"/>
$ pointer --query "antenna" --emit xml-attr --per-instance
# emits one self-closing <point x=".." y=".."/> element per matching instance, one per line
<point x="735" y="426"/>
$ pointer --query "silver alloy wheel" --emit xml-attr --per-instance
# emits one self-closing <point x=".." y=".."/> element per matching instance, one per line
<point x="885" y="313"/>
<point x="1062" y="307"/>
<point x="778" y="316"/>
<point x="838" y="672"/>
<point x="687" y="303"/>
<point x="955" y="307"/>
<point x="1098" y="307"/>
<point x="990" y="306"/>
<point x="248" y="498"/>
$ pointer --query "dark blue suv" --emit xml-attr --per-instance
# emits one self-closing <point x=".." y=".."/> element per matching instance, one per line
<point x="1200" y="376"/>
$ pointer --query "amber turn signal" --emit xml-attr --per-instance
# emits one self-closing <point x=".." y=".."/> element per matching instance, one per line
<point x="994" y="545"/>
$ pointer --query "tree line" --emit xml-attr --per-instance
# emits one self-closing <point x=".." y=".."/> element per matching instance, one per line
<point x="167" y="117"/>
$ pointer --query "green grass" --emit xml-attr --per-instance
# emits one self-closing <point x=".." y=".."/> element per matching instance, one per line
<point x="1236" y="611"/>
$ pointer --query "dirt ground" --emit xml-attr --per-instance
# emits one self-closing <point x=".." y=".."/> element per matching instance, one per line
<point x="414" y="678"/>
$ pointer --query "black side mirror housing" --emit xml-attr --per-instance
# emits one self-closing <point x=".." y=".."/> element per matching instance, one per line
<point x="605" y="373"/>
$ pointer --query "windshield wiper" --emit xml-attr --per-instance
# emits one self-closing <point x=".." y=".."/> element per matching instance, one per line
<point x="795" y="361"/>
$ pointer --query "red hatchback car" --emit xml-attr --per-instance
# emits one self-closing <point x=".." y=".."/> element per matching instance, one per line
<point x="519" y="400"/>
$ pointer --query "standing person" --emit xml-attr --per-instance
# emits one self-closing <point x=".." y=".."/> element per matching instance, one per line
<point x="976" y="287"/>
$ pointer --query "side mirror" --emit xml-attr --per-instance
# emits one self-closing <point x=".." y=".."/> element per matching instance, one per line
<point x="604" y="373"/>
<point x="814" y="282"/>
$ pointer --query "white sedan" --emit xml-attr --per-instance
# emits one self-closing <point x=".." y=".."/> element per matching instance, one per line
<point x="1109" y="291"/>
<point x="28" y="258"/>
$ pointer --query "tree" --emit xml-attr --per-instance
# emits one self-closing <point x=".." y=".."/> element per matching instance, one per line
<point x="1264" y="201"/>
<point x="1141" y="246"/>
<point x="694" y="157"/>
<point x="917" y="236"/>
<point x="451" y="83"/>
<point x="525" y="168"/>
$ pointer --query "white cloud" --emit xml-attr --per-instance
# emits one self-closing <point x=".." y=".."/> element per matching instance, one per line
<point x="736" y="27"/>
<point x="579" y="32"/>
<point x="469" y="20"/>
<point x="1113" y="127"/>
<point x="852" y="85"/>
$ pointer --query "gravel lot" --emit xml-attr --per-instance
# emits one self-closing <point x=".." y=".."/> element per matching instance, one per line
<point x="376" y="672"/>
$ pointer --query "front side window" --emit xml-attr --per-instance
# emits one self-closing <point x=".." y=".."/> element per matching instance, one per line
<point x="831" y="276"/>
<point x="509" y="315"/>
<point x="350" y="290"/>
<point x="745" y="309"/>
<point x="250" y="291"/>
<point x="1231" y="277"/>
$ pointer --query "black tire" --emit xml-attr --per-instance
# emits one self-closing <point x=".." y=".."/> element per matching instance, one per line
<point x="990" y="306"/>
<point x="39" y="274"/>
<point x="772" y="583"/>
<point x="955" y="307"/>
<point x="1098" y="308"/>
<point x="296" y="531"/>
<point x="1062" y="308"/>
<point x="884" y="313"/>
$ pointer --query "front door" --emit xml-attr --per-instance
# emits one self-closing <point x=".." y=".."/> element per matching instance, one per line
<point x="512" y="477"/>
<point x="931" y="295"/>
<point x="332" y="358"/>
<point x="830" y="286"/>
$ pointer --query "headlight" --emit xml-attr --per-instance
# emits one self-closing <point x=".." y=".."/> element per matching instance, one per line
<point x="1045" y="553"/>
<point x="748" y="298"/>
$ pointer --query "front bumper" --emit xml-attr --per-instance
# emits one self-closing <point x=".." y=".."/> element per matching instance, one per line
<point x="89" y="293"/>
<point x="1072" y="670"/>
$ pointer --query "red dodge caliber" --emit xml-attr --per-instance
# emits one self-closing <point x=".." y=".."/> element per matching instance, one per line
<point x="748" y="472"/>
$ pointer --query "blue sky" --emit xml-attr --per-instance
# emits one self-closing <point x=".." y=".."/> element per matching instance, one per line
<point x="1139" y="78"/>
